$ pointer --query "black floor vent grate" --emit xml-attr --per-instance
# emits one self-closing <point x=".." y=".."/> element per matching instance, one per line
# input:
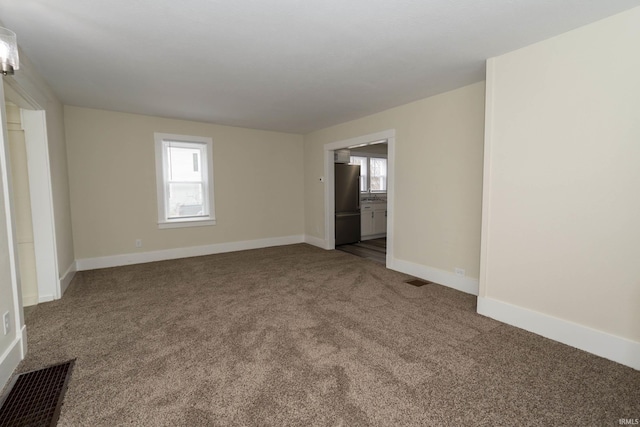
<point x="417" y="282"/>
<point x="35" y="398"/>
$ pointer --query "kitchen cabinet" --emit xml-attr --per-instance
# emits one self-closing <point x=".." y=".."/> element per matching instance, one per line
<point x="366" y="220"/>
<point x="373" y="220"/>
<point x="380" y="221"/>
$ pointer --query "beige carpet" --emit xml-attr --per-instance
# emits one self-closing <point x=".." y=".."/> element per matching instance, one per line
<point x="298" y="336"/>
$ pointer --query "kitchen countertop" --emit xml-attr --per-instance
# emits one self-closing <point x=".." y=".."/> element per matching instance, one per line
<point x="374" y="202"/>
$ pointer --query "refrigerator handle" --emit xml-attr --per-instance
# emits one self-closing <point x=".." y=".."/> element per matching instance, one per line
<point x="358" y="194"/>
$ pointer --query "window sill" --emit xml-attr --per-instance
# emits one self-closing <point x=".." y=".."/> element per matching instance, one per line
<point x="187" y="223"/>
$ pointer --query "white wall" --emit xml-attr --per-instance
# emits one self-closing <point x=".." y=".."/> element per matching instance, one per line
<point x="561" y="194"/>
<point x="258" y="181"/>
<point x="438" y="188"/>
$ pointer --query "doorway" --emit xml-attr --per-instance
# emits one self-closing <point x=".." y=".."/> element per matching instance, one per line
<point x="22" y="206"/>
<point x="329" y="189"/>
<point x="33" y="125"/>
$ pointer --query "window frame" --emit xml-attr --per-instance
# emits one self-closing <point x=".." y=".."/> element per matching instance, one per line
<point x="364" y="175"/>
<point x="205" y="144"/>
<point x="370" y="156"/>
<point x="370" y="174"/>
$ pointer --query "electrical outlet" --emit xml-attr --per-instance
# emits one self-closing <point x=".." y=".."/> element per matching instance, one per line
<point x="138" y="243"/>
<point x="6" y="321"/>
<point x="459" y="271"/>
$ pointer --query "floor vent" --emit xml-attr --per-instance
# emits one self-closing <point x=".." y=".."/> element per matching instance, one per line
<point x="35" y="398"/>
<point x="417" y="282"/>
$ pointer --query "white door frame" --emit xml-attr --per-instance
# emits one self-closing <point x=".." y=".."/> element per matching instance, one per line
<point x="34" y="124"/>
<point x="329" y="186"/>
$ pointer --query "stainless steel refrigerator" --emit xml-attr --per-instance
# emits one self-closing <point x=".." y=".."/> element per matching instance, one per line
<point x="347" y="191"/>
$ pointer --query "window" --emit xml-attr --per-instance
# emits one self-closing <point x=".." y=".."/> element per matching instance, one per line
<point x="184" y="174"/>
<point x="378" y="168"/>
<point x="373" y="173"/>
<point x="362" y="161"/>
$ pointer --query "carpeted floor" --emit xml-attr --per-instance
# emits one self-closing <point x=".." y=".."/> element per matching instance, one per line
<point x="299" y="336"/>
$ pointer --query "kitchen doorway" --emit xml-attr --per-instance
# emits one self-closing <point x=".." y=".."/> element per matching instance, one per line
<point x="387" y="136"/>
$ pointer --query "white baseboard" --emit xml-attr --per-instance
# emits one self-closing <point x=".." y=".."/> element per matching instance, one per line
<point x="45" y="298"/>
<point x="435" y="275"/>
<point x="23" y="342"/>
<point x="29" y="300"/>
<point x="142" y="257"/>
<point x="600" y="343"/>
<point x="373" y="236"/>
<point x="67" y="277"/>
<point x="315" y="241"/>
<point x="10" y="359"/>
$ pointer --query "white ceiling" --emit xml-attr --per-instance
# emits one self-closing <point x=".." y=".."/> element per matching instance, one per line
<point x="285" y="65"/>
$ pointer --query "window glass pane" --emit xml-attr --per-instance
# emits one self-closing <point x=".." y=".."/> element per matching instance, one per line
<point x="378" y="174"/>
<point x="186" y="199"/>
<point x="362" y="161"/>
<point x="185" y="164"/>
<point x="184" y="174"/>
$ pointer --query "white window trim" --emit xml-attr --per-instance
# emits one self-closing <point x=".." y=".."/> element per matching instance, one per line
<point x="163" y="221"/>
<point x="369" y="174"/>
<point x="368" y="156"/>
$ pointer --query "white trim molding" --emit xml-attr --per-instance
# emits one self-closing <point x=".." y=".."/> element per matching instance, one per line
<point x="612" y="347"/>
<point x="45" y="298"/>
<point x="372" y="236"/>
<point x="486" y="176"/>
<point x="204" y="145"/>
<point x="388" y="135"/>
<point x="34" y="124"/>
<point x="167" y="254"/>
<point x="461" y="283"/>
<point x="23" y="340"/>
<point x="66" y="279"/>
<point x="316" y="241"/>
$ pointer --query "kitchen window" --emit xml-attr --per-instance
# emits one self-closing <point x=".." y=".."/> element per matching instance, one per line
<point x="373" y="173"/>
<point x="184" y="175"/>
<point x="363" y="162"/>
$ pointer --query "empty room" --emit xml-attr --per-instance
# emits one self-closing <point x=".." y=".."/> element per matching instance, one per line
<point x="319" y="213"/>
